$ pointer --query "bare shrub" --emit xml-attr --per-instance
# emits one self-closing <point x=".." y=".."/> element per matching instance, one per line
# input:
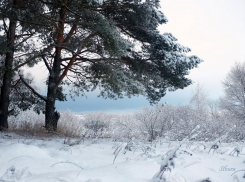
<point x="26" y="121"/>
<point x="69" y="124"/>
<point x="156" y="121"/>
<point x="97" y="124"/>
<point x="150" y="121"/>
<point x="125" y="127"/>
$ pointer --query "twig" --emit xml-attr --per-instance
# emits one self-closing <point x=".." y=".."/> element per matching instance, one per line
<point x="116" y="153"/>
<point x="183" y="177"/>
<point x="78" y="174"/>
<point x="186" y="152"/>
<point x="68" y="163"/>
<point x="238" y="171"/>
<point x="19" y="157"/>
<point x="185" y="166"/>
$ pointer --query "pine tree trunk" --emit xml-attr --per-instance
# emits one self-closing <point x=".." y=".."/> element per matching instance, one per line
<point x="50" y="122"/>
<point x="7" y="77"/>
<point x="51" y="116"/>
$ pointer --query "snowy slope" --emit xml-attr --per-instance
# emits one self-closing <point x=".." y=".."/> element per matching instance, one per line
<point x="49" y="159"/>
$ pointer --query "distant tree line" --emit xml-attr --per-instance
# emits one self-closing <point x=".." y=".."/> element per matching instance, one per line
<point x="224" y="117"/>
<point x="215" y="119"/>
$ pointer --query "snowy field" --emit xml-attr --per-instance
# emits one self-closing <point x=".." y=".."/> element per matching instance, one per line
<point x="51" y="159"/>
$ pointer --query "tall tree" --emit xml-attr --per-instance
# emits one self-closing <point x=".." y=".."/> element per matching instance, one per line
<point x="234" y="88"/>
<point x="6" y="83"/>
<point x="113" y="46"/>
<point x="17" y="49"/>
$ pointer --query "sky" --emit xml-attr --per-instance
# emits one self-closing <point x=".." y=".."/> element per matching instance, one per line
<point x="215" y="32"/>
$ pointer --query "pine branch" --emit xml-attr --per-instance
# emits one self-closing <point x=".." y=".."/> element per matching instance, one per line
<point x="23" y="35"/>
<point x="71" y="32"/>
<point x="24" y="21"/>
<point x="74" y="58"/>
<point x="46" y="63"/>
<point x="33" y="58"/>
<point x="33" y="90"/>
<point x="5" y="26"/>
<point x="49" y="3"/>
<point x="25" y="39"/>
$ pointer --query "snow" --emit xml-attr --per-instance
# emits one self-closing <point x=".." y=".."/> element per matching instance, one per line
<point x="95" y="1"/>
<point x="37" y="159"/>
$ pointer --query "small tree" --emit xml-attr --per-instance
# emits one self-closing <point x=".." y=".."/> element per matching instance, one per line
<point x="199" y="101"/>
<point x="168" y="119"/>
<point x="234" y="88"/>
<point x="150" y="121"/>
<point x="185" y="122"/>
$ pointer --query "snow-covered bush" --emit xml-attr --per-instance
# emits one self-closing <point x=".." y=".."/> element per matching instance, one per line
<point x="167" y="163"/>
<point x="168" y="120"/>
<point x="238" y="133"/>
<point x="125" y="127"/>
<point x="237" y="150"/>
<point x="27" y="120"/>
<point x="150" y="122"/>
<point x="184" y="118"/>
<point x="234" y="93"/>
<point x="215" y="145"/>
<point x="157" y="121"/>
<point x="69" y="124"/>
<point x="97" y="124"/>
<point x="130" y="145"/>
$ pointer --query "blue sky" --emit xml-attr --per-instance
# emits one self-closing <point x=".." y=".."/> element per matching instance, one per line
<point x="214" y="30"/>
<point x="125" y="105"/>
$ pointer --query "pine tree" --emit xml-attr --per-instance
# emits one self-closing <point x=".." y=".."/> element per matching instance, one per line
<point x="114" y="46"/>
<point x="110" y="45"/>
<point x="17" y="49"/>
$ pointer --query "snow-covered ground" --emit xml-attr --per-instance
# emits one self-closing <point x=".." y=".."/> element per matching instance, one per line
<point x="48" y="159"/>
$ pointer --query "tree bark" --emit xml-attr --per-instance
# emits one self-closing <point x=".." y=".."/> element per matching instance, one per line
<point x="51" y="119"/>
<point x="51" y="116"/>
<point x="8" y="74"/>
